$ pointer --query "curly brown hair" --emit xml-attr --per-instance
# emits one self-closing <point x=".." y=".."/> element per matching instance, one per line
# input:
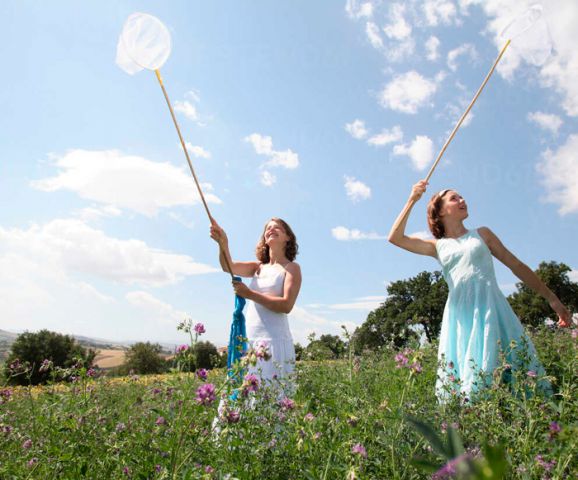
<point x="434" y="220"/>
<point x="291" y="247"/>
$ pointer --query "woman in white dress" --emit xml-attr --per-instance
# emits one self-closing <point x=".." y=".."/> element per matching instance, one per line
<point x="273" y="290"/>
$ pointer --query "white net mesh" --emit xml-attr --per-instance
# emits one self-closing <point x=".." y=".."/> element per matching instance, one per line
<point x="530" y="36"/>
<point x="144" y="42"/>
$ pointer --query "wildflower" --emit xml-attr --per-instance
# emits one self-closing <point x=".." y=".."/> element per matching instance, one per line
<point x="449" y="469"/>
<point x="272" y="443"/>
<point x="5" y="395"/>
<point x="45" y="366"/>
<point x="531" y="374"/>
<point x="158" y="468"/>
<point x="202" y="374"/>
<point x="206" y="394"/>
<point x="156" y="391"/>
<point x="262" y="350"/>
<point x="209" y="469"/>
<point x="401" y="360"/>
<point x="120" y="427"/>
<point x="27" y="444"/>
<point x="91" y="372"/>
<point x="359" y="449"/>
<point x="352" y="420"/>
<point x="250" y="384"/>
<point x="199" y="329"/>
<point x="309" y="417"/>
<point x="126" y="471"/>
<point x="160" y="421"/>
<point x="554" y="429"/>
<point x="232" y="416"/>
<point x="444" y="427"/>
<point x="33" y="461"/>
<point x="416" y="367"/>
<point x="182" y="348"/>
<point x="451" y="365"/>
<point x="574" y="333"/>
<point x="287" y="404"/>
<point x="317" y="436"/>
<point x="547" y="466"/>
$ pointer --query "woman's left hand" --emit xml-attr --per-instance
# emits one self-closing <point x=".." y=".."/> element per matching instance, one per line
<point x="241" y="289"/>
<point x="564" y="316"/>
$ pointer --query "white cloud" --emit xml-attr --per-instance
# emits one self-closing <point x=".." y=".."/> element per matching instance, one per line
<point x="573" y="275"/>
<point x="386" y="137"/>
<point x="453" y="55"/>
<point x="420" y="151"/>
<point x="94" y="213"/>
<point x="407" y="93"/>
<point x="345" y="234"/>
<point x="267" y="178"/>
<point x="356" y="9"/>
<point x="432" y="45"/>
<point x="356" y="129"/>
<point x="372" y="32"/>
<point x="560" y="175"/>
<point x="71" y="247"/>
<point x="546" y="121"/>
<point x="303" y="323"/>
<point x="399" y="28"/>
<point x="124" y="181"/>
<point x="440" y="12"/>
<point x="155" y="309"/>
<point x="423" y="234"/>
<point x="197" y="151"/>
<point x="356" y="190"/>
<point x="263" y="145"/>
<point x="367" y="303"/>
<point x="188" y="107"/>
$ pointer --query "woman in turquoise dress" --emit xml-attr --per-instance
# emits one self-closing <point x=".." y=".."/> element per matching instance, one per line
<point x="478" y="323"/>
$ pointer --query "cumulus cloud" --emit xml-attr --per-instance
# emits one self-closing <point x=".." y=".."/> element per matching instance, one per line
<point x="356" y="190"/>
<point x="453" y="55"/>
<point x="372" y="32"/>
<point x="356" y="129"/>
<point x="188" y="107"/>
<point x="438" y="12"/>
<point x="420" y="151"/>
<point x="368" y="303"/>
<point x="432" y="46"/>
<point x="356" y="9"/>
<point x="407" y="92"/>
<point x="154" y="308"/>
<point x="124" y="181"/>
<point x="559" y="170"/>
<point x="398" y="28"/>
<point x="345" y="234"/>
<point x="71" y="246"/>
<point x="303" y="323"/>
<point x="386" y="137"/>
<point x="197" y="151"/>
<point x="263" y="145"/>
<point x="546" y="121"/>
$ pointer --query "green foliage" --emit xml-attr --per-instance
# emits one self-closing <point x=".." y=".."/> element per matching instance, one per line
<point x="145" y="357"/>
<point x="30" y="349"/>
<point x="533" y="309"/>
<point x="206" y="355"/>
<point x="153" y="427"/>
<point x="416" y="301"/>
<point x="326" y="347"/>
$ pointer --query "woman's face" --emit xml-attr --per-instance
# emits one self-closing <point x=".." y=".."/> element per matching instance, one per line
<point x="275" y="234"/>
<point x="454" y="206"/>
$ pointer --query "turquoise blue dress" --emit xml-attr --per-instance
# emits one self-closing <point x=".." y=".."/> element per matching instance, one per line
<point x="478" y="322"/>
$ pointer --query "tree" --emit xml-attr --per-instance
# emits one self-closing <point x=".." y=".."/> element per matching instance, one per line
<point x="533" y="309"/>
<point x="206" y="355"/>
<point x="145" y="358"/>
<point x="35" y="347"/>
<point x="418" y="300"/>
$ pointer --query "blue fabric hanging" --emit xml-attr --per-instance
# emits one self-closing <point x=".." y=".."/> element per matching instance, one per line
<point x="237" y="344"/>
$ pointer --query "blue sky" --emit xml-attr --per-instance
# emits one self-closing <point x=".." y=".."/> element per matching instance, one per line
<point x="323" y="113"/>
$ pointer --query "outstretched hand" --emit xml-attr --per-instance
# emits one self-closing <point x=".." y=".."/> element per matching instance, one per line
<point x="418" y="190"/>
<point x="564" y="316"/>
<point x="218" y="234"/>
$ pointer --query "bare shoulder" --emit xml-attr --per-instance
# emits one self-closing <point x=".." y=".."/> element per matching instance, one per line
<point x="293" y="268"/>
<point x="487" y="235"/>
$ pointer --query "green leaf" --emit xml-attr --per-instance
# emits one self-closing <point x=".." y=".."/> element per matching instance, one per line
<point x="455" y="445"/>
<point x="430" y="435"/>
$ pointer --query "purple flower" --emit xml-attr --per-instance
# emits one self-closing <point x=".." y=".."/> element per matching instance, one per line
<point x="574" y="333"/>
<point x="531" y="374"/>
<point x="317" y="436"/>
<point x="158" y="468"/>
<point x="209" y="469"/>
<point x="199" y="328"/>
<point x="91" y="372"/>
<point x="449" y="469"/>
<point x="545" y="464"/>
<point x="182" y="348"/>
<point x="416" y="367"/>
<point x="120" y="427"/>
<point x="250" y="384"/>
<point x="233" y="416"/>
<point x="160" y="421"/>
<point x="287" y="404"/>
<point x="126" y="471"/>
<point x="5" y="395"/>
<point x="202" y="374"/>
<point x="554" y="429"/>
<point x="359" y="449"/>
<point x="401" y="360"/>
<point x="206" y="394"/>
<point x="45" y="365"/>
<point x="33" y="461"/>
<point x="309" y="417"/>
<point x="27" y="444"/>
<point x="262" y="350"/>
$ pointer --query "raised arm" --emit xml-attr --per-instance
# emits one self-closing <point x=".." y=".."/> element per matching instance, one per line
<point x="283" y="304"/>
<point x="526" y="274"/>
<point x="397" y="234"/>
<point x="243" y="269"/>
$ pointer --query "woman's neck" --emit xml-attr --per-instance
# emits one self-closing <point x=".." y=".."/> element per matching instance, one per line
<point x="454" y="229"/>
<point x="277" y="255"/>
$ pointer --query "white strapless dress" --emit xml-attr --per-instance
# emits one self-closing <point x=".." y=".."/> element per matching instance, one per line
<point x="264" y="325"/>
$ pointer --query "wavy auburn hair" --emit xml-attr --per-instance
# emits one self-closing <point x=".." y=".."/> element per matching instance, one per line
<point x="291" y="247"/>
<point x="434" y="220"/>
